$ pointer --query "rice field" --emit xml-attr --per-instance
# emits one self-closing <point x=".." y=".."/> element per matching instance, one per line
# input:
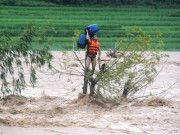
<point x="112" y="23"/>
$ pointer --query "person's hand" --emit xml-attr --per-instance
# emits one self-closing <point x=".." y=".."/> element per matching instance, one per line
<point x="99" y="59"/>
<point x="87" y="31"/>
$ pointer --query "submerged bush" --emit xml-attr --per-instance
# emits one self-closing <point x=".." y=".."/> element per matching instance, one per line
<point x="133" y="69"/>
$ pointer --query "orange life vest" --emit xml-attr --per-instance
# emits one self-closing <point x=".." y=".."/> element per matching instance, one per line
<point x="93" y="48"/>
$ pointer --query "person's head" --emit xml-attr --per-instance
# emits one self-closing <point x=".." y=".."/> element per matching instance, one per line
<point x="94" y="37"/>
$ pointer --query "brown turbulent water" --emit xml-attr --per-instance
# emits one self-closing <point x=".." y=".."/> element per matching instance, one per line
<point x="52" y="108"/>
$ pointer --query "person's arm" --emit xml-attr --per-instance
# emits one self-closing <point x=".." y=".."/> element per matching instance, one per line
<point x="87" y="37"/>
<point x="99" y="57"/>
<point x="99" y="52"/>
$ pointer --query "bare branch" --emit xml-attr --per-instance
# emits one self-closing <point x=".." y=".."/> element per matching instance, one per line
<point x="79" y="60"/>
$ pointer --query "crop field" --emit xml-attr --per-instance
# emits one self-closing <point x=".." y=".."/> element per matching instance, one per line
<point x="59" y="23"/>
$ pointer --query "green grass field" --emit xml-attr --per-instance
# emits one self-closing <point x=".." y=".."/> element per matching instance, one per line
<point x="112" y="23"/>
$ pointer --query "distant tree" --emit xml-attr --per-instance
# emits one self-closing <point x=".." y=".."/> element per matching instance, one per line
<point x="8" y="2"/>
<point x="156" y="3"/>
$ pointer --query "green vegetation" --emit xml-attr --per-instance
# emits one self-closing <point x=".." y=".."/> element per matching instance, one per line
<point x="59" y="23"/>
<point x="131" y="70"/>
<point x="156" y="3"/>
<point x="14" y="56"/>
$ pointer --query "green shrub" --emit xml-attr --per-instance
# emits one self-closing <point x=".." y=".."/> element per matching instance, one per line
<point x="133" y="69"/>
<point x="14" y="56"/>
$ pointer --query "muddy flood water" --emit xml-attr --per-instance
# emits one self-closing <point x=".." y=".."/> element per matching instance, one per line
<point x="55" y="106"/>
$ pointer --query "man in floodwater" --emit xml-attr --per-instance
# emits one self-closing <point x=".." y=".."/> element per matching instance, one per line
<point x="92" y="49"/>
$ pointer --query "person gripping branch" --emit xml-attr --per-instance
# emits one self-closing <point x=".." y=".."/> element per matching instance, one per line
<point x="93" y="49"/>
